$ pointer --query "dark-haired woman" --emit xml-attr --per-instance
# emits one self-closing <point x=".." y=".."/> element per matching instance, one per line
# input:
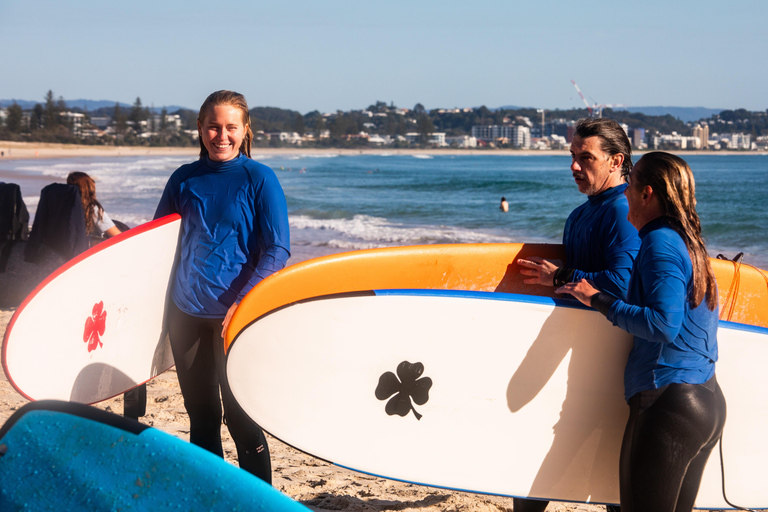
<point x="677" y="410"/>
<point x="234" y="233"/>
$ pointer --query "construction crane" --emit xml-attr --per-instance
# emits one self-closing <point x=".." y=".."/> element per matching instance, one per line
<point x="595" y="110"/>
<point x="583" y="98"/>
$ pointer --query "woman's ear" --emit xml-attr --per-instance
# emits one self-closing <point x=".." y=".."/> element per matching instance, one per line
<point x="647" y="194"/>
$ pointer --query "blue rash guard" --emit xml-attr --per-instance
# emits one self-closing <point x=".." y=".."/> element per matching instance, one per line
<point x="600" y="243"/>
<point x="234" y="231"/>
<point x="673" y="342"/>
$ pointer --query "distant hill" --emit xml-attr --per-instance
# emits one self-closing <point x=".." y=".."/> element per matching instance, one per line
<point x="685" y="114"/>
<point x="89" y="105"/>
<point x="511" y="107"/>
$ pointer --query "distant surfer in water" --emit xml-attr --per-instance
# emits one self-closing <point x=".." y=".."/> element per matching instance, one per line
<point x="234" y="233"/>
<point x="600" y="243"/>
<point x="504" y="206"/>
<point x="677" y="410"/>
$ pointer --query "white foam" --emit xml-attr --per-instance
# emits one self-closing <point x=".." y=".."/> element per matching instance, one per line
<point x="363" y="231"/>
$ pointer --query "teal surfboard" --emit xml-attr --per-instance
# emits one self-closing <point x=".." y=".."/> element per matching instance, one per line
<point x="67" y="456"/>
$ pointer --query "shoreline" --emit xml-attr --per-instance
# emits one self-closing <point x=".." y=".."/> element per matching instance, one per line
<point x="46" y="150"/>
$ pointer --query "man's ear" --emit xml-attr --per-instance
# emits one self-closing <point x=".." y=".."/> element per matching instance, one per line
<point x="617" y="161"/>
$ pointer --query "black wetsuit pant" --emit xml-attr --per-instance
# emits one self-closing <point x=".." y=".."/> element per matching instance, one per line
<point x="669" y="436"/>
<point x="198" y="352"/>
<point x="670" y="433"/>
<point x="527" y="505"/>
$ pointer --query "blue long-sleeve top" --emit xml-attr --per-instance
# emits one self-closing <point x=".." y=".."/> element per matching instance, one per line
<point x="673" y="342"/>
<point x="600" y="243"/>
<point x="234" y="231"/>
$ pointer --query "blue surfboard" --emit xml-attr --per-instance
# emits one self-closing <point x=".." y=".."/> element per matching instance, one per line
<point x="68" y="456"/>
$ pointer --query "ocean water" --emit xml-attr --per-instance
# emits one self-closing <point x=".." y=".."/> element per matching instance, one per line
<point x="340" y="203"/>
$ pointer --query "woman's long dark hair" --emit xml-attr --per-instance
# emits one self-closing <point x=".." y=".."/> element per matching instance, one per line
<point x="92" y="208"/>
<point x="236" y="100"/>
<point x="671" y="180"/>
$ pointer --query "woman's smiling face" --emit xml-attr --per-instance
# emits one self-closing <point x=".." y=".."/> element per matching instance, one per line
<point x="222" y="132"/>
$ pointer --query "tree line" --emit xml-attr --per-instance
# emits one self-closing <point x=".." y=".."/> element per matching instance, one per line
<point x="139" y="125"/>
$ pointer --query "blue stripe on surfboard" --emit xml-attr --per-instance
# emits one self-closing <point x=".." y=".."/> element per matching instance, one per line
<point x="527" y="299"/>
<point x="457" y="489"/>
<point x="470" y="294"/>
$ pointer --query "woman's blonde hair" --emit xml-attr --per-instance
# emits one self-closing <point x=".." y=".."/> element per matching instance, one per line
<point x="236" y="100"/>
<point x="671" y="180"/>
<point x="92" y="208"/>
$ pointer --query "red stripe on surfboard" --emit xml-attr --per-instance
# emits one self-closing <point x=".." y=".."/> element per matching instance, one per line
<point x="138" y="230"/>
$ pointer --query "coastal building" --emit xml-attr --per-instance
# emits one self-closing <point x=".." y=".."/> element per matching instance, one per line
<point x="172" y="122"/>
<point x="517" y="135"/>
<point x="521" y="137"/>
<point x="462" y="141"/>
<point x="702" y="132"/>
<point x="638" y="138"/>
<point x="377" y="140"/>
<point x="101" y="122"/>
<point x="493" y="132"/>
<point x="75" y="120"/>
<point x="434" y="139"/>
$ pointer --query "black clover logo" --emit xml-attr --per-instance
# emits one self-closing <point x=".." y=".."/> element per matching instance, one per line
<point x="408" y="386"/>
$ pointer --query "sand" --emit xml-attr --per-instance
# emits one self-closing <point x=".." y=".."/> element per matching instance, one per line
<point x="315" y="483"/>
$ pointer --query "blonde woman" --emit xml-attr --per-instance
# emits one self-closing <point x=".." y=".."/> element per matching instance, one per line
<point x="234" y="233"/>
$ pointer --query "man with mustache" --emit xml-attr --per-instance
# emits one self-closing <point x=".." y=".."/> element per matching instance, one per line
<point x="600" y="243"/>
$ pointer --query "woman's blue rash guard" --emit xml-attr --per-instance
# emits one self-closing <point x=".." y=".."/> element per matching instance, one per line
<point x="234" y="231"/>
<point x="673" y="343"/>
<point x="600" y="243"/>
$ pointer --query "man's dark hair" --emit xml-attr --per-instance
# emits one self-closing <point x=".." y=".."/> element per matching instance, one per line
<point x="613" y="138"/>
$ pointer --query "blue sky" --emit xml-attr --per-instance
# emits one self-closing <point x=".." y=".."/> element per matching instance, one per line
<point x="328" y="55"/>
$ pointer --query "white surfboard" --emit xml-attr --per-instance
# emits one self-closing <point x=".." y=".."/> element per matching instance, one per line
<point x="94" y="328"/>
<point x="395" y="383"/>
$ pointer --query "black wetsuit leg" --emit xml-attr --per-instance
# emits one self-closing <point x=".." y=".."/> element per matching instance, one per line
<point x="250" y="441"/>
<point x="669" y="437"/>
<point x="192" y="345"/>
<point x="527" y="505"/>
<point x="199" y="356"/>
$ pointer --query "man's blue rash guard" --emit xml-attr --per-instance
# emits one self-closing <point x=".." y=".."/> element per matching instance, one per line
<point x="600" y="243"/>
<point x="673" y="343"/>
<point x="234" y="231"/>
